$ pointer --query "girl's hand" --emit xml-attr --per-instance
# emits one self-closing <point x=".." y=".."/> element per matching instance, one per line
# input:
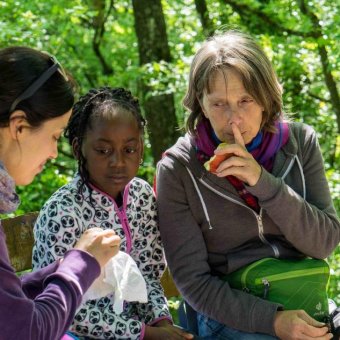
<point x="101" y="244"/>
<point x="163" y="330"/>
<point x="242" y="164"/>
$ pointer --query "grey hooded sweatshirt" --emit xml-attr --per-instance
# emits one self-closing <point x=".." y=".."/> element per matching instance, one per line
<point x="208" y="230"/>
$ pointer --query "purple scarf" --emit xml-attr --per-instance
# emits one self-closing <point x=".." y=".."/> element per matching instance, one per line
<point x="9" y="200"/>
<point x="264" y="152"/>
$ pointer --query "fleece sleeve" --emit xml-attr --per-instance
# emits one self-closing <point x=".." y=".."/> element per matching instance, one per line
<point x="48" y="315"/>
<point x="308" y="220"/>
<point x="33" y="283"/>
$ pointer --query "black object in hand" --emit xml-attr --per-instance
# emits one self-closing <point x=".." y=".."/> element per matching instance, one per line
<point x="334" y="321"/>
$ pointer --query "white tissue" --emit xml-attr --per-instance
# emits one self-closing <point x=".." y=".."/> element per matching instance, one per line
<point x="122" y="278"/>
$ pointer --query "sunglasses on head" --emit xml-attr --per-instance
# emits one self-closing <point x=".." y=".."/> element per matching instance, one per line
<point x="56" y="67"/>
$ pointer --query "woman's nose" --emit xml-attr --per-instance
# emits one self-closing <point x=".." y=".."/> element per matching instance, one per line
<point x="234" y="116"/>
<point x="54" y="153"/>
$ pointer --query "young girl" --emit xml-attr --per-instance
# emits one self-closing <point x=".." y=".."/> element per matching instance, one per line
<point x="36" y="97"/>
<point x="106" y="134"/>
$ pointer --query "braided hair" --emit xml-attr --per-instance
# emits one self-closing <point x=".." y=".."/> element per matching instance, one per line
<point x="98" y="102"/>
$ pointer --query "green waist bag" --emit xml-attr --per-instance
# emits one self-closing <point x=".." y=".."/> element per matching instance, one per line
<point x="296" y="284"/>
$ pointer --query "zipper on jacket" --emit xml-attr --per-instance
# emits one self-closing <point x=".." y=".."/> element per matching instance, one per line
<point x="261" y="234"/>
<point x="257" y="216"/>
<point x="121" y="212"/>
<point x="125" y="224"/>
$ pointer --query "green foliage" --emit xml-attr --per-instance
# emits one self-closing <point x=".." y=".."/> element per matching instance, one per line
<point x="35" y="195"/>
<point x="334" y="283"/>
<point x="174" y="303"/>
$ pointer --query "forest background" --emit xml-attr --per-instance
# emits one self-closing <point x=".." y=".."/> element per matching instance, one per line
<point x="147" y="46"/>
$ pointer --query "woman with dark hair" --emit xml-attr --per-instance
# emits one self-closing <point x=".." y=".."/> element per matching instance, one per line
<point x="36" y="97"/>
<point x="268" y="198"/>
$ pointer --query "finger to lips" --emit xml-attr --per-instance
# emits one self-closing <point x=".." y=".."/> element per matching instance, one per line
<point x="237" y="135"/>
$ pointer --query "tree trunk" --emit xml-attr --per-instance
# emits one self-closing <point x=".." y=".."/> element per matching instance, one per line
<point x="99" y="29"/>
<point x="202" y="10"/>
<point x="326" y="67"/>
<point x="153" y="47"/>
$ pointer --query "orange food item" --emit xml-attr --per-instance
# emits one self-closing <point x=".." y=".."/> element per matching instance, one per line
<point x="213" y="163"/>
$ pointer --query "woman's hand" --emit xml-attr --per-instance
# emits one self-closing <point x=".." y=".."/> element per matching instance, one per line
<point x="163" y="330"/>
<point x="101" y="244"/>
<point x="242" y="164"/>
<point x="297" y="324"/>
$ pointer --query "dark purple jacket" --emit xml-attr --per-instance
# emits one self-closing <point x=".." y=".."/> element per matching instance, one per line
<point x="41" y="305"/>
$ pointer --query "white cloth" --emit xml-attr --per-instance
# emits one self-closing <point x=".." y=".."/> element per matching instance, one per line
<point x="122" y="278"/>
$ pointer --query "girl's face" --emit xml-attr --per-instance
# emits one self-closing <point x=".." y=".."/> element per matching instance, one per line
<point x="29" y="149"/>
<point x="229" y="103"/>
<point x="113" y="149"/>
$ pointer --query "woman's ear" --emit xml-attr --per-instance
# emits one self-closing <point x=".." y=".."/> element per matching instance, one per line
<point x="17" y="122"/>
<point x="75" y="148"/>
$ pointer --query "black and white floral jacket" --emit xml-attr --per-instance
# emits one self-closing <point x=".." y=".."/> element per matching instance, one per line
<point x="61" y="222"/>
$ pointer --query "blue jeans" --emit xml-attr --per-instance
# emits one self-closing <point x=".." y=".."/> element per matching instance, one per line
<point x="210" y="329"/>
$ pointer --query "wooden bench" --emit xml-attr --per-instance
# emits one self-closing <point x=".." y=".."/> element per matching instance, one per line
<point x="19" y="239"/>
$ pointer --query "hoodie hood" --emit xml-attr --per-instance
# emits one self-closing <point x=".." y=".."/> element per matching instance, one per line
<point x="184" y="151"/>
